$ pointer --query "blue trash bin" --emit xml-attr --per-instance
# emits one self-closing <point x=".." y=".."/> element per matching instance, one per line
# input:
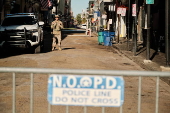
<point x="107" y="41"/>
<point x="106" y="38"/>
<point x="112" y="36"/>
<point x="106" y="33"/>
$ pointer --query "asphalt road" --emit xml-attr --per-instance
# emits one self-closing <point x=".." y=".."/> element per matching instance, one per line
<point x="79" y="52"/>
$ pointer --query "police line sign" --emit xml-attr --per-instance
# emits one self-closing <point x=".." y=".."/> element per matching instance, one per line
<point x="72" y="90"/>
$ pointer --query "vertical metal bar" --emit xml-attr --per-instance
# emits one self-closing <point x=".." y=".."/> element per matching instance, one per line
<point x="118" y="32"/>
<point x="148" y="33"/>
<point x="167" y="32"/>
<point x="67" y="109"/>
<point x="113" y="21"/>
<point x="121" y="109"/>
<point x="139" y="94"/>
<point x="31" y="92"/>
<point x="85" y="109"/>
<point x="49" y="108"/>
<point x="13" y="93"/>
<point x="103" y="109"/>
<point x="135" y="30"/>
<point x="128" y="26"/>
<point x="49" y="105"/>
<point x="25" y="36"/>
<point x="0" y="15"/>
<point x="99" y="19"/>
<point x="157" y="95"/>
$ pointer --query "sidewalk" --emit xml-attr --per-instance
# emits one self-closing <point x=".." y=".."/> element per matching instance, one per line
<point x="158" y="60"/>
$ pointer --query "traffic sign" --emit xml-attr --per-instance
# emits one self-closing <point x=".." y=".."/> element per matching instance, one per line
<point x="73" y="90"/>
<point x="149" y="1"/>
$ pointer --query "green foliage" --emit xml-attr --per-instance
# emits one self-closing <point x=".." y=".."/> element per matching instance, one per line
<point x="78" y="18"/>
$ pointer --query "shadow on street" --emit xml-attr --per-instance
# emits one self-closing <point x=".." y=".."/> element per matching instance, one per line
<point x="13" y="51"/>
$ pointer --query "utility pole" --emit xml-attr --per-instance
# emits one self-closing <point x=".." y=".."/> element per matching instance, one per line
<point x="167" y="32"/>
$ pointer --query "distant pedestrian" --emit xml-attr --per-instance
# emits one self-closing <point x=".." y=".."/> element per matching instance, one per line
<point x="56" y="25"/>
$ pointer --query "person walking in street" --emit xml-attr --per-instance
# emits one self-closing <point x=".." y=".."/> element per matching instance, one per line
<point x="56" y="25"/>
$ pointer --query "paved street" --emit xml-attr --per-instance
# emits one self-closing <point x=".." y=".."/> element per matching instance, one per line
<point x="79" y="52"/>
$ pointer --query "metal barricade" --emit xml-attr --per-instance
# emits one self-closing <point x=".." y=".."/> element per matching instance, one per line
<point x="33" y="71"/>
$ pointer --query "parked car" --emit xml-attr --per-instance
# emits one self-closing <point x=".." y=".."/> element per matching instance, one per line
<point x="22" y="30"/>
<point x="83" y="26"/>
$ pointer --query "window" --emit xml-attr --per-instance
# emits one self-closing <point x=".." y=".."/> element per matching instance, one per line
<point x="18" y="21"/>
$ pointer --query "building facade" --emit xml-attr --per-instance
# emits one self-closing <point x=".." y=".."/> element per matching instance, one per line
<point x="135" y="20"/>
<point x="44" y="9"/>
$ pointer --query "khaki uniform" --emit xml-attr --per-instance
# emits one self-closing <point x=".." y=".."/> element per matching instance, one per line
<point x="56" y="26"/>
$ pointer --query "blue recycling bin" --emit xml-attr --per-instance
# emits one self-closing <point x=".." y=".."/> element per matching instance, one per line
<point x="106" y="33"/>
<point x="112" y="36"/>
<point x="108" y="38"/>
<point x="107" y="41"/>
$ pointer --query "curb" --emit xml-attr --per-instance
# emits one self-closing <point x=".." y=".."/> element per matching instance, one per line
<point x="152" y="66"/>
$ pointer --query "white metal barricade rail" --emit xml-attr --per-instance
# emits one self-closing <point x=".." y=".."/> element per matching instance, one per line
<point x="33" y="71"/>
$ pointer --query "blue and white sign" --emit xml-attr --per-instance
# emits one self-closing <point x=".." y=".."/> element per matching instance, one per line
<point x="72" y="90"/>
<point x="149" y="1"/>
